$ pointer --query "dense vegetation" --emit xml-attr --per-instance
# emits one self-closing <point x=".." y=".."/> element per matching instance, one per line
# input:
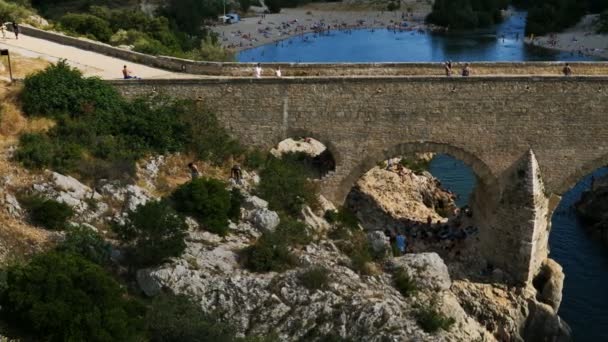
<point x="64" y="297"/>
<point x="546" y="16"/>
<point x="208" y="201"/>
<point x="272" y="251"/>
<point x="176" y="29"/>
<point x="154" y="232"/>
<point x="99" y="134"/>
<point x="467" y="14"/>
<point x="47" y="213"/>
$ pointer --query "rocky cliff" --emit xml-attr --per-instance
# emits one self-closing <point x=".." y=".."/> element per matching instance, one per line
<point x="593" y="208"/>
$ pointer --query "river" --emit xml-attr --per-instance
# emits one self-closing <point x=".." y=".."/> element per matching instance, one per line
<point x="585" y="260"/>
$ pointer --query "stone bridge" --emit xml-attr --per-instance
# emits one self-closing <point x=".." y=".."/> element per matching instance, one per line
<point x="528" y="138"/>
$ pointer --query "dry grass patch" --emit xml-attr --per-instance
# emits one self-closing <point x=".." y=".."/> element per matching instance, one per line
<point x="22" y="66"/>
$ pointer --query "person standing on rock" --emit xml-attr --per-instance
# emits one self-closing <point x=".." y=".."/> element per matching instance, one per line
<point x="194" y="173"/>
<point x="236" y="174"/>
<point x="3" y="30"/>
<point x="401" y="242"/>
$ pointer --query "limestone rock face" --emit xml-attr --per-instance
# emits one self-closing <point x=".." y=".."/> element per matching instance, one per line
<point x="544" y="325"/>
<point x="264" y="219"/>
<point x="593" y="208"/>
<point x="427" y="268"/>
<point x="352" y="306"/>
<point x="381" y="198"/>
<point x="550" y="283"/>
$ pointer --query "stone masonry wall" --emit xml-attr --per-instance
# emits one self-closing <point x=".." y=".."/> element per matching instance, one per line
<point x="488" y="122"/>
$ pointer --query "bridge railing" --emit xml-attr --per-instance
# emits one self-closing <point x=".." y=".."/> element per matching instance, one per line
<point x="316" y="69"/>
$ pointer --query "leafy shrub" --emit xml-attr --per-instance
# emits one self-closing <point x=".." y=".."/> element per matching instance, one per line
<point x="94" y="124"/>
<point x="344" y="217"/>
<point x="359" y="250"/>
<point x="315" y="278"/>
<point x="393" y="6"/>
<point x="11" y="11"/>
<point x="211" y="50"/>
<point x="64" y="297"/>
<point x="155" y="233"/>
<point x="271" y="251"/>
<point x="207" y="200"/>
<point x="274" y="6"/>
<point x="255" y="159"/>
<point x="603" y="23"/>
<point x="61" y="90"/>
<point x="236" y="201"/>
<point x="431" y="320"/>
<point x="418" y="166"/>
<point x="47" y="213"/>
<point x="87" y="24"/>
<point x="87" y="243"/>
<point x="404" y="283"/>
<point x="285" y="186"/>
<point x="175" y="318"/>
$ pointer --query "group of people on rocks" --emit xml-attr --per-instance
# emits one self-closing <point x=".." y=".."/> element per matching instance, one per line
<point x="14" y="26"/>
<point x="448" y="236"/>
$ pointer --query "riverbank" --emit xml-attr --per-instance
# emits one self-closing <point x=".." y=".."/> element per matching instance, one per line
<point x="580" y="40"/>
<point x="260" y="30"/>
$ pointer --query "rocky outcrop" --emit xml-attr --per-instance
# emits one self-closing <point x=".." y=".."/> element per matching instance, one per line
<point x="593" y="208"/>
<point x="427" y="268"/>
<point x="384" y="198"/>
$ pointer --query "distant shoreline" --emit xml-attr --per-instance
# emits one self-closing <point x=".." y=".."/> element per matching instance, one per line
<point x="252" y="32"/>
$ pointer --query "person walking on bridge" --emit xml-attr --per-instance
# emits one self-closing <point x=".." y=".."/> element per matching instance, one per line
<point x="3" y="30"/>
<point x="16" y="29"/>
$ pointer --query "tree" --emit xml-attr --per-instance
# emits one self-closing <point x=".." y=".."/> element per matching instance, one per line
<point x="208" y="201"/>
<point x="155" y="232"/>
<point x="64" y="297"/>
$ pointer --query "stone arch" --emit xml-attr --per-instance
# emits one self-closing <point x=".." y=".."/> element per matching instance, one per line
<point x="486" y="178"/>
<point x="580" y="173"/>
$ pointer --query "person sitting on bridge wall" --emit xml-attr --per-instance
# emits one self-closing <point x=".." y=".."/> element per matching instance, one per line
<point x="466" y="71"/>
<point x="127" y="74"/>
<point x="567" y="70"/>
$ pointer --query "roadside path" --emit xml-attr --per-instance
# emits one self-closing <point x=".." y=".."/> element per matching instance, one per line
<point x="90" y="63"/>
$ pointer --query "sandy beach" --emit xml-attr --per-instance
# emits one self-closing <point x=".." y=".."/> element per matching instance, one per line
<point x="581" y="39"/>
<point x="265" y="29"/>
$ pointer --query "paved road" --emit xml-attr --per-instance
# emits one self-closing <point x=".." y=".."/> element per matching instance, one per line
<point x="91" y="63"/>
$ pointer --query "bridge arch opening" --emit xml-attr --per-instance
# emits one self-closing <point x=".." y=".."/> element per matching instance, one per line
<point x="425" y="191"/>
<point x="578" y="241"/>
<point x="315" y="155"/>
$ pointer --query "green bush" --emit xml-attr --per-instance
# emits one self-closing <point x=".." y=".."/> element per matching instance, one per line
<point x="285" y="186"/>
<point x="271" y="251"/>
<point x="315" y="278"/>
<point x="11" y="11"/>
<point x="357" y="247"/>
<point x="393" y="6"/>
<point x="431" y="320"/>
<point x="176" y="318"/>
<point x="255" y="159"/>
<point x="417" y="166"/>
<point x="47" y="213"/>
<point x="404" y="283"/>
<point x="154" y="232"/>
<point x="97" y="127"/>
<point x="64" y="297"/>
<point x="87" y="243"/>
<point x="466" y="14"/>
<point x="236" y="201"/>
<point x="61" y="90"/>
<point x="87" y="24"/>
<point x="208" y="201"/>
<point x="343" y="217"/>
<point x="603" y="23"/>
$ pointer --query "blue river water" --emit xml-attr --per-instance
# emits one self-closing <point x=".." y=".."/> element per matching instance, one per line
<point x="585" y="260"/>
